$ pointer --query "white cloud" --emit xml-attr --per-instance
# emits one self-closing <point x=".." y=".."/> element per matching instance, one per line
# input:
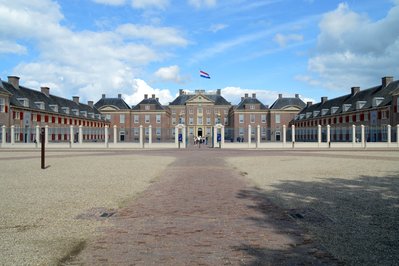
<point x="110" y="2"/>
<point x="217" y="27"/>
<point x="12" y="47"/>
<point x="202" y="3"/>
<point x="234" y="94"/>
<point x="353" y="50"/>
<point x="282" y="40"/>
<point x="140" y="87"/>
<point x="150" y="4"/>
<point x="157" y="35"/>
<point x="171" y="73"/>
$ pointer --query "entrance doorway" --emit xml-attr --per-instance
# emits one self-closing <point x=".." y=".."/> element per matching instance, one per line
<point x="199" y="132"/>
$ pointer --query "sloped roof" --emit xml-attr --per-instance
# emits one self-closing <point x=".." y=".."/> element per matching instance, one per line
<point x="183" y="98"/>
<point x="149" y="101"/>
<point x="34" y="96"/>
<point x="117" y="103"/>
<point x="249" y="100"/>
<point x="283" y="102"/>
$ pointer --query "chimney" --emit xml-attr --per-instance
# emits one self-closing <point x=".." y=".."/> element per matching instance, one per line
<point x="296" y="95"/>
<point x="354" y="90"/>
<point x="246" y="95"/>
<point x="254" y="95"/>
<point x="308" y="104"/>
<point x="180" y="92"/>
<point x="145" y="96"/>
<point x="153" y="96"/>
<point x="90" y="103"/>
<point x="386" y="81"/>
<point x="45" y="91"/>
<point x="324" y="99"/>
<point x="242" y="98"/>
<point x="75" y="99"/>
<point x="218" y="92"/>
<point x="103" y="96"/>
<point x="280" y="96"/>
<point x="14" y="81"/>
<point x="157" y="99"/>
<point x="119" y="96"/>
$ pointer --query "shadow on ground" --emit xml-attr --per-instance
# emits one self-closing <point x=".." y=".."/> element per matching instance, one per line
<point x="356" y="221"/>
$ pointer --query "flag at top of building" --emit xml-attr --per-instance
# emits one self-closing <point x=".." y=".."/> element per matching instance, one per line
<point x="204" y="74"/>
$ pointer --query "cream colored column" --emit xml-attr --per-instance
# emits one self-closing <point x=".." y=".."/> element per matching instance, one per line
<point x="318" y="134"/>
<point x="115" y="135"/>
<point x="389" y="134"/>
<point x="106" y="136"/>
<point x="353" y="134"/>
<point x="80" y="134"/>
<point x="70" y="136"/>
<point x="141" y="137"/>
<point x="12" y="135"/>
<point x="293" y="133"/>
<point x="177" y="137"/>
<point x="215" y="136"/>
<point x="257" y="136"/>
<point x="3" y="134"/>
<point x="222" y="137"/>
<point x="363" y="136"/>
<point x="149" y="136"/>
<point x="184" y="141"/>
<point x="249" y="136"/>
<point x="328" y="133"/>
<point x="46" y="134"/>
<point x="37" y="135"/>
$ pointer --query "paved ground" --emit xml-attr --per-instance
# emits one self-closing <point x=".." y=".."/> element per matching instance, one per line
<point x="202" y="213"/>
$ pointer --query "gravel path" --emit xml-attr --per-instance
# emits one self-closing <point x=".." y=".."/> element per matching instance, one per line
<point x="202" y="212"/>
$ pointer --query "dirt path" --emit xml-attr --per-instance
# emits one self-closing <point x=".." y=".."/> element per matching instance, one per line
<point x="201" y="212"/>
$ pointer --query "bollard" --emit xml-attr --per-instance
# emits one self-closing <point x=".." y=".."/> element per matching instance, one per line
<point x="43" y="140"/>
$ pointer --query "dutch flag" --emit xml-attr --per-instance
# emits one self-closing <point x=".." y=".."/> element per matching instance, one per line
<point x="204" y="74"/>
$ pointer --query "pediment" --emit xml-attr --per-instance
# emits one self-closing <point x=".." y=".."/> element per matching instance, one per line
<point x="109" y="108"/>
<point x="197" y="99"/>
<point x="291" y="108"/>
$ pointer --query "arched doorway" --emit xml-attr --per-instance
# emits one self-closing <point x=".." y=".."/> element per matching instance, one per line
<point x="199" y="132"/>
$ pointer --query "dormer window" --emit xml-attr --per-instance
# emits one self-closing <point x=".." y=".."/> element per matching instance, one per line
<point x="54" y="107"/>
<point x="315" y="113"/>
<point x="91" y="115"/>
<point x="296" y="117"/>
<point x="83" y="113"/>
<point x="345" y="107"/>
<point x="360" y="104"/>
<point x="40" y="105"/>
<point x="334" y="109"/>
<point x="301" y="116"/>
<point x="377" y="101"/>
<point x="24" y="102"/>
<point x="147" y="107"/>
<point x="308" y="114"/>
<point x="75" y="111"/>
<point x="65" y="110"/>
<point x="324" y="111"/>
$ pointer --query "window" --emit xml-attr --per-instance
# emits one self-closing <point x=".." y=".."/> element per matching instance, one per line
<point x="225" y="111"/>
<point x="147" y="119"/>
<point x="226" y="120"/>
<point x="54" y="107"/>
<point x="263" y="131"/>
<point x="158" y="131"/>
<point x="277" y="119"/>
<point x="252" y="107"/>
<point x="199" y="110"/>
<point x="147" y="107"/>
<point x="136" y="119"/>
<point x="241" y="131"/>
<point x="263" y="118"/>
<point x="136" y="131"/>
<point x="24" y="102"/>
<point x="2" y="105"/>
<point x="83" y="113"/>
<point x="173" y="112"/>
<point x="199" y="120"/>
<point x="108" y="117"/>
<point x="191" y="111"/>
<point x="190" y="121"/>
<point x="252" y="118"/>
<point x="208" y="120"/>
<point x="158" y="119"/>
<point x="173" y="120"/>
<point x="241" y="118"/>
<point x="208" y="111"/>
<point x="146" y="131"/>
<point x="40" y="105"/>
<point x="122" y="118"/>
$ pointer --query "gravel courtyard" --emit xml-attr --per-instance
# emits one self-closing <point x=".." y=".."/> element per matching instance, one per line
<point x="344" y="205"/>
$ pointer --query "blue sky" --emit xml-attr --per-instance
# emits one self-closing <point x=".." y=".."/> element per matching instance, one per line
<point x="89" y="47"/>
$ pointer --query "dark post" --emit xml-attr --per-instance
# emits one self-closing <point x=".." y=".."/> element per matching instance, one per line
<point x="42" y="139"/>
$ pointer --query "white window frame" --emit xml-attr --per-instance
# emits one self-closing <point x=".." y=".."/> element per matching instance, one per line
<point x="136" y="119"/>
<point x="241" y="118"/>
<point x="122" y="118"/>
<point x="147" y="119"/>
<point x="2" y="105"/>
<point x="263" y="119"/>
<point x="277" y="118"/>
<point x="158" y="119"/>
<point x="252" y="118"/>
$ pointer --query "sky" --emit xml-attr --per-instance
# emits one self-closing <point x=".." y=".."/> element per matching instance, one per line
<point x="87" y="48"/>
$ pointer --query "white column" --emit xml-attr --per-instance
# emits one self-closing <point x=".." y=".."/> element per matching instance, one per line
<point x="389" y="134"/>
<point x="184" y="136"/>
<point x="249" y="135"/>
<point x="3" y="134"/>
<point x="215" y="136"/>
<point x="106" y="136"/>
<point x="319" y="134"/>
<point x="222" y="137"/>
<point x="70" y="135"/>
<point x="397" y="134"/>
<point x="328" y="133"/>
<point x="80" y="134"/>
<point x="149" y="135"/>
<point x="257" y="136"/>
<point x="141" y="137"/>
<point x="115" y="135"/>
<point x="46" y="134"/>
<point x="177" y="137"/>
<point x="293" y="133"/>
<point x="363" y="136"/>
<point x="284" y="135"/>
<point x="37" y="135"/>
<point x="353" y="134"/>
<point x="12" y="135"/>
